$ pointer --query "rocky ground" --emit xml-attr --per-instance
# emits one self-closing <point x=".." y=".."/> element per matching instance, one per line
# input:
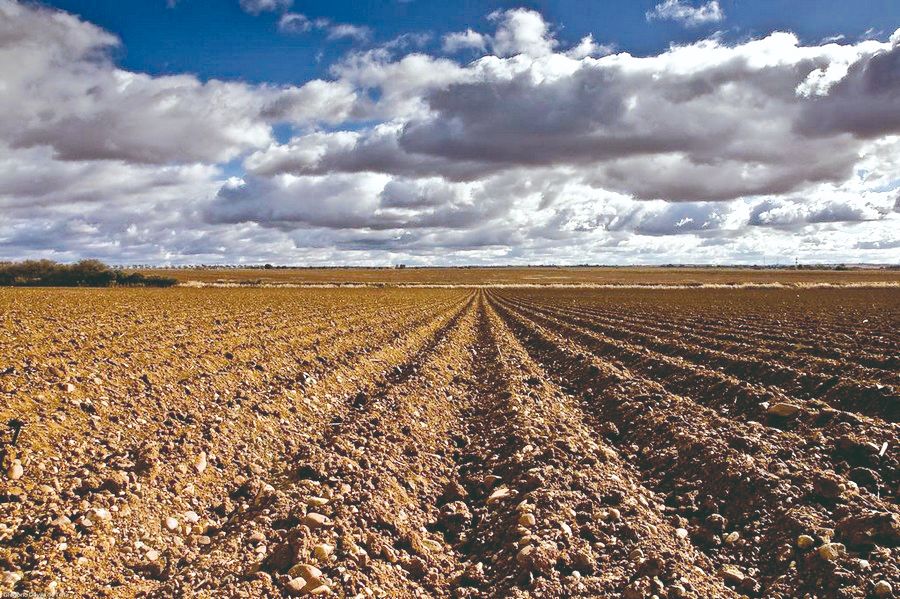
<point x="450" y="443"/>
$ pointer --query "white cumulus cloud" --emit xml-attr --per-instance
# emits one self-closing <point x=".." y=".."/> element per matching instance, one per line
<point x="686" y="14"/>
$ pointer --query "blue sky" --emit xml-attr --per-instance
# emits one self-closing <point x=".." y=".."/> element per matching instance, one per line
<point x="216" y="39"/>
<point x="377" y="132"/>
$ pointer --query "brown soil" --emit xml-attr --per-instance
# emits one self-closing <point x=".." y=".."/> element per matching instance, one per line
<point x="450" y="443"/>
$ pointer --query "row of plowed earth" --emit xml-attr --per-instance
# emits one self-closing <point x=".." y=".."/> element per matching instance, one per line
<point x="117" y="439"/>
<point x="820" y="434"/>
<point x="426" y="443"/>
<point x="845" y="386"/>
<point x="806" y="352"/>
<point x="803" y="373"/>
<point x="851" y="325"/>
<point x="722" y="476"/>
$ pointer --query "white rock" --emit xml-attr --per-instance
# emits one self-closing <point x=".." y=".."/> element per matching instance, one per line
<point x="15" y="471"/>
<point x="200" y="463"/>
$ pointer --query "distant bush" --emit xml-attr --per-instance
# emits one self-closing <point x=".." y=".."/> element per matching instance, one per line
<point x="87" y="273"/>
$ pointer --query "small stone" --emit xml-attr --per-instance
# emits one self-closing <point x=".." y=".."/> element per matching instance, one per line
<point x="615" y="515"/>
<point x="15" y="471"/>
<point x="681" y="533"/>
<point x="732" y="537"/>
<point x="527" y="520"/>
<point x="192" y="517"/>
<point x="315" y="520"/>
<point x="317" y="501"/>
<point x="323" y="550"/>
<point x="100" y="513"/>
<point x="831" y="551"/>
<point x="731" y="575"/>
<point x="200" y="463"/>
<point x="882" y="588"/>
<point x="322" y="589"/>
<point x="498" y="494"/>
<point x="257" y="537"/>
<point x="307" y="572"/>
<point x="152" y="555"/>
<point x="171" y="523"/>
<point x="783" y="409"/>
<point x="805" y="541"/>
<point x="67" y="387"/>
<point x="294" y="587"/>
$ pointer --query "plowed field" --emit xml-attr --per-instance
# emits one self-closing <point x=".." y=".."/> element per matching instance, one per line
<point x="450" y="442"/>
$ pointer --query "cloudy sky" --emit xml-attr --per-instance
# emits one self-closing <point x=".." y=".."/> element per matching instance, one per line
<point x="477" y="132"/>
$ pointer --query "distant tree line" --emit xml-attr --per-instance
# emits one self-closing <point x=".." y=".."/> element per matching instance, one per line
<point x="86" y="273"/>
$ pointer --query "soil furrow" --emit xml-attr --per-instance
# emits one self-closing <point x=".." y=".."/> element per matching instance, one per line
<point x="251" y="413"/>
<point x="714" y="475"/>
<point x="325" y="471"/>
<point x="811" y="434"/>
<point x="787" y="353"/>
<point x="847" y="394"/>
<point x="551" y="511"/>
<point x="796" y="319"/>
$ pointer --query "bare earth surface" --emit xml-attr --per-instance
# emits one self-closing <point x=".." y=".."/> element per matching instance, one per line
<point x="450" y="442"/>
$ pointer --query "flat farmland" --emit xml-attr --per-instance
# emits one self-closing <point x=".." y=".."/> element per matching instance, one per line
<point x="543" y="276"/>
<point x="450" y="442"/>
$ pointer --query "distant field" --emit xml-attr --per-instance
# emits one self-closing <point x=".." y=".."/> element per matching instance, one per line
<point x="530" y="276"/>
